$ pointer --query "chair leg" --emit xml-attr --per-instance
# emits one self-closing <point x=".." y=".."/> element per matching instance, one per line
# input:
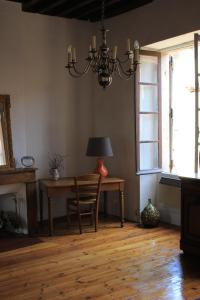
<point x="67" y="213"/>
<point x="95" y="223"/>
<point x="79" y="219"/>
<point x="50" y="218"/>
<point x="92" y="214"/>
<point x="96" y="217"/>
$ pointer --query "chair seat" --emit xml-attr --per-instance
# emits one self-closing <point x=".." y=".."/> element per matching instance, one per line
<point x="82" y="200"/>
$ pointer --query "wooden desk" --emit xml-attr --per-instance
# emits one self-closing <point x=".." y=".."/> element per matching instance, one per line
<point x="60" y="188"/>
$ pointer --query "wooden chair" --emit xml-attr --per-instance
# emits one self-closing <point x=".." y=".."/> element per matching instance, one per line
<point x="87" y="190"/>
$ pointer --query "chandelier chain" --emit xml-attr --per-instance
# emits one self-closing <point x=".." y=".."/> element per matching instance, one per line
<point x="102" y="13"/>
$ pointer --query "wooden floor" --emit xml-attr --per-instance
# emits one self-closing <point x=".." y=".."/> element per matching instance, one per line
<point x="114" y="263"/>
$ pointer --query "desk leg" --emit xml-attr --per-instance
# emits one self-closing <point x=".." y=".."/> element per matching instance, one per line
<point x="121" y="199"/>
<point x="50" y="216"/>
<point x="105" y="196"/>
<point x="41" y="207"/>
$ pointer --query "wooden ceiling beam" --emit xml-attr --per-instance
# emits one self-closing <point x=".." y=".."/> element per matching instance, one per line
<point x="84" y="10"/>
<point x="15" y="1"/>
<point x="76" y="7"/>
<point x="86" y="13"/>
<point x="71" y="8"/>
<point x="122" y="7"/>
<point x="35" y="5"/>
<point x="53" y="7"/>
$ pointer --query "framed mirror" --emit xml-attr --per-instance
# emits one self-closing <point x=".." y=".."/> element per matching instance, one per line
<point x="6" y="150"/>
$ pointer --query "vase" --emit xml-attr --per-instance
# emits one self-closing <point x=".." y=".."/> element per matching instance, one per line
<point x="150" y="216"/>
<point x="55" y="174"/>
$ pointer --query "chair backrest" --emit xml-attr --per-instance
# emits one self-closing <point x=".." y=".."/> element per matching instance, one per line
<point x="88" y="184"/>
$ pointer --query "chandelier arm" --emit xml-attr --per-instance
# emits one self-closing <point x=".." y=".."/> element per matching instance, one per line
<point x="112" y="67"/>
<point x="125" y="76"/>
<point x="95" y="64"/>
<point x="125" y="73"/>
<point x="85" y="71"/>
<point x="72" y="74"/>
<point x="122" y="61"/>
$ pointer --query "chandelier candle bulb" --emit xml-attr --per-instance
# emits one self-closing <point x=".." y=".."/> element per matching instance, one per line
<point x="136" y="51"/>
<point x="131" y="59"/>
<point x="94" y="42"/>
<point x="74" y="54"/>
<point x="69" y="51"/>
<point x="90" y="51"/>
<point x="136" y="55"/>
<point x="115" y="52"/>
<point x="128" y="45"/>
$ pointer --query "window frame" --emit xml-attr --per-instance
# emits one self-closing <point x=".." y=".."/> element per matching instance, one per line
<point x="171" y="113"/>
<point x="196" y="42"/>
<point x="137" y="85"/>
<point x="197" y="104"/>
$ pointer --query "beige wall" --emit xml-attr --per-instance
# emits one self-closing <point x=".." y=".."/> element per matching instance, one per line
<point x="156" y="21"/>
<point x="48" y="112"/>
<point x="168" y="202"/>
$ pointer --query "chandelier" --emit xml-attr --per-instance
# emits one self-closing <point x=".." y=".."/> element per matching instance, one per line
<point x="104" y="61"/>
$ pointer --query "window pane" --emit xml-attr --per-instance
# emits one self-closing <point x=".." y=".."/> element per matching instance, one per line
<point x="148" y="98"/>
<point x="148" y="69"/>
<point x="148" y="127"/>
<point x="148" y="156"/>
<point x="183" y="104"/>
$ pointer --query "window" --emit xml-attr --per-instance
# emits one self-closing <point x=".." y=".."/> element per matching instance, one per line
<point x="180" y="111"/>
<point x="148" y="109"/>
<point x="178" y="104"/>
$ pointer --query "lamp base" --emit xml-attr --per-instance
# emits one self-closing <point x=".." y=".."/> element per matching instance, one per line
<point x="101" y="169"/>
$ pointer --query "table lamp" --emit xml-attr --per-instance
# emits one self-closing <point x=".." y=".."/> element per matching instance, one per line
<point x="100" y="147"/>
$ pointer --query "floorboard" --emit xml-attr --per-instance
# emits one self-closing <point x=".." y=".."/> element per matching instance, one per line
<point x="130" y="263"/>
